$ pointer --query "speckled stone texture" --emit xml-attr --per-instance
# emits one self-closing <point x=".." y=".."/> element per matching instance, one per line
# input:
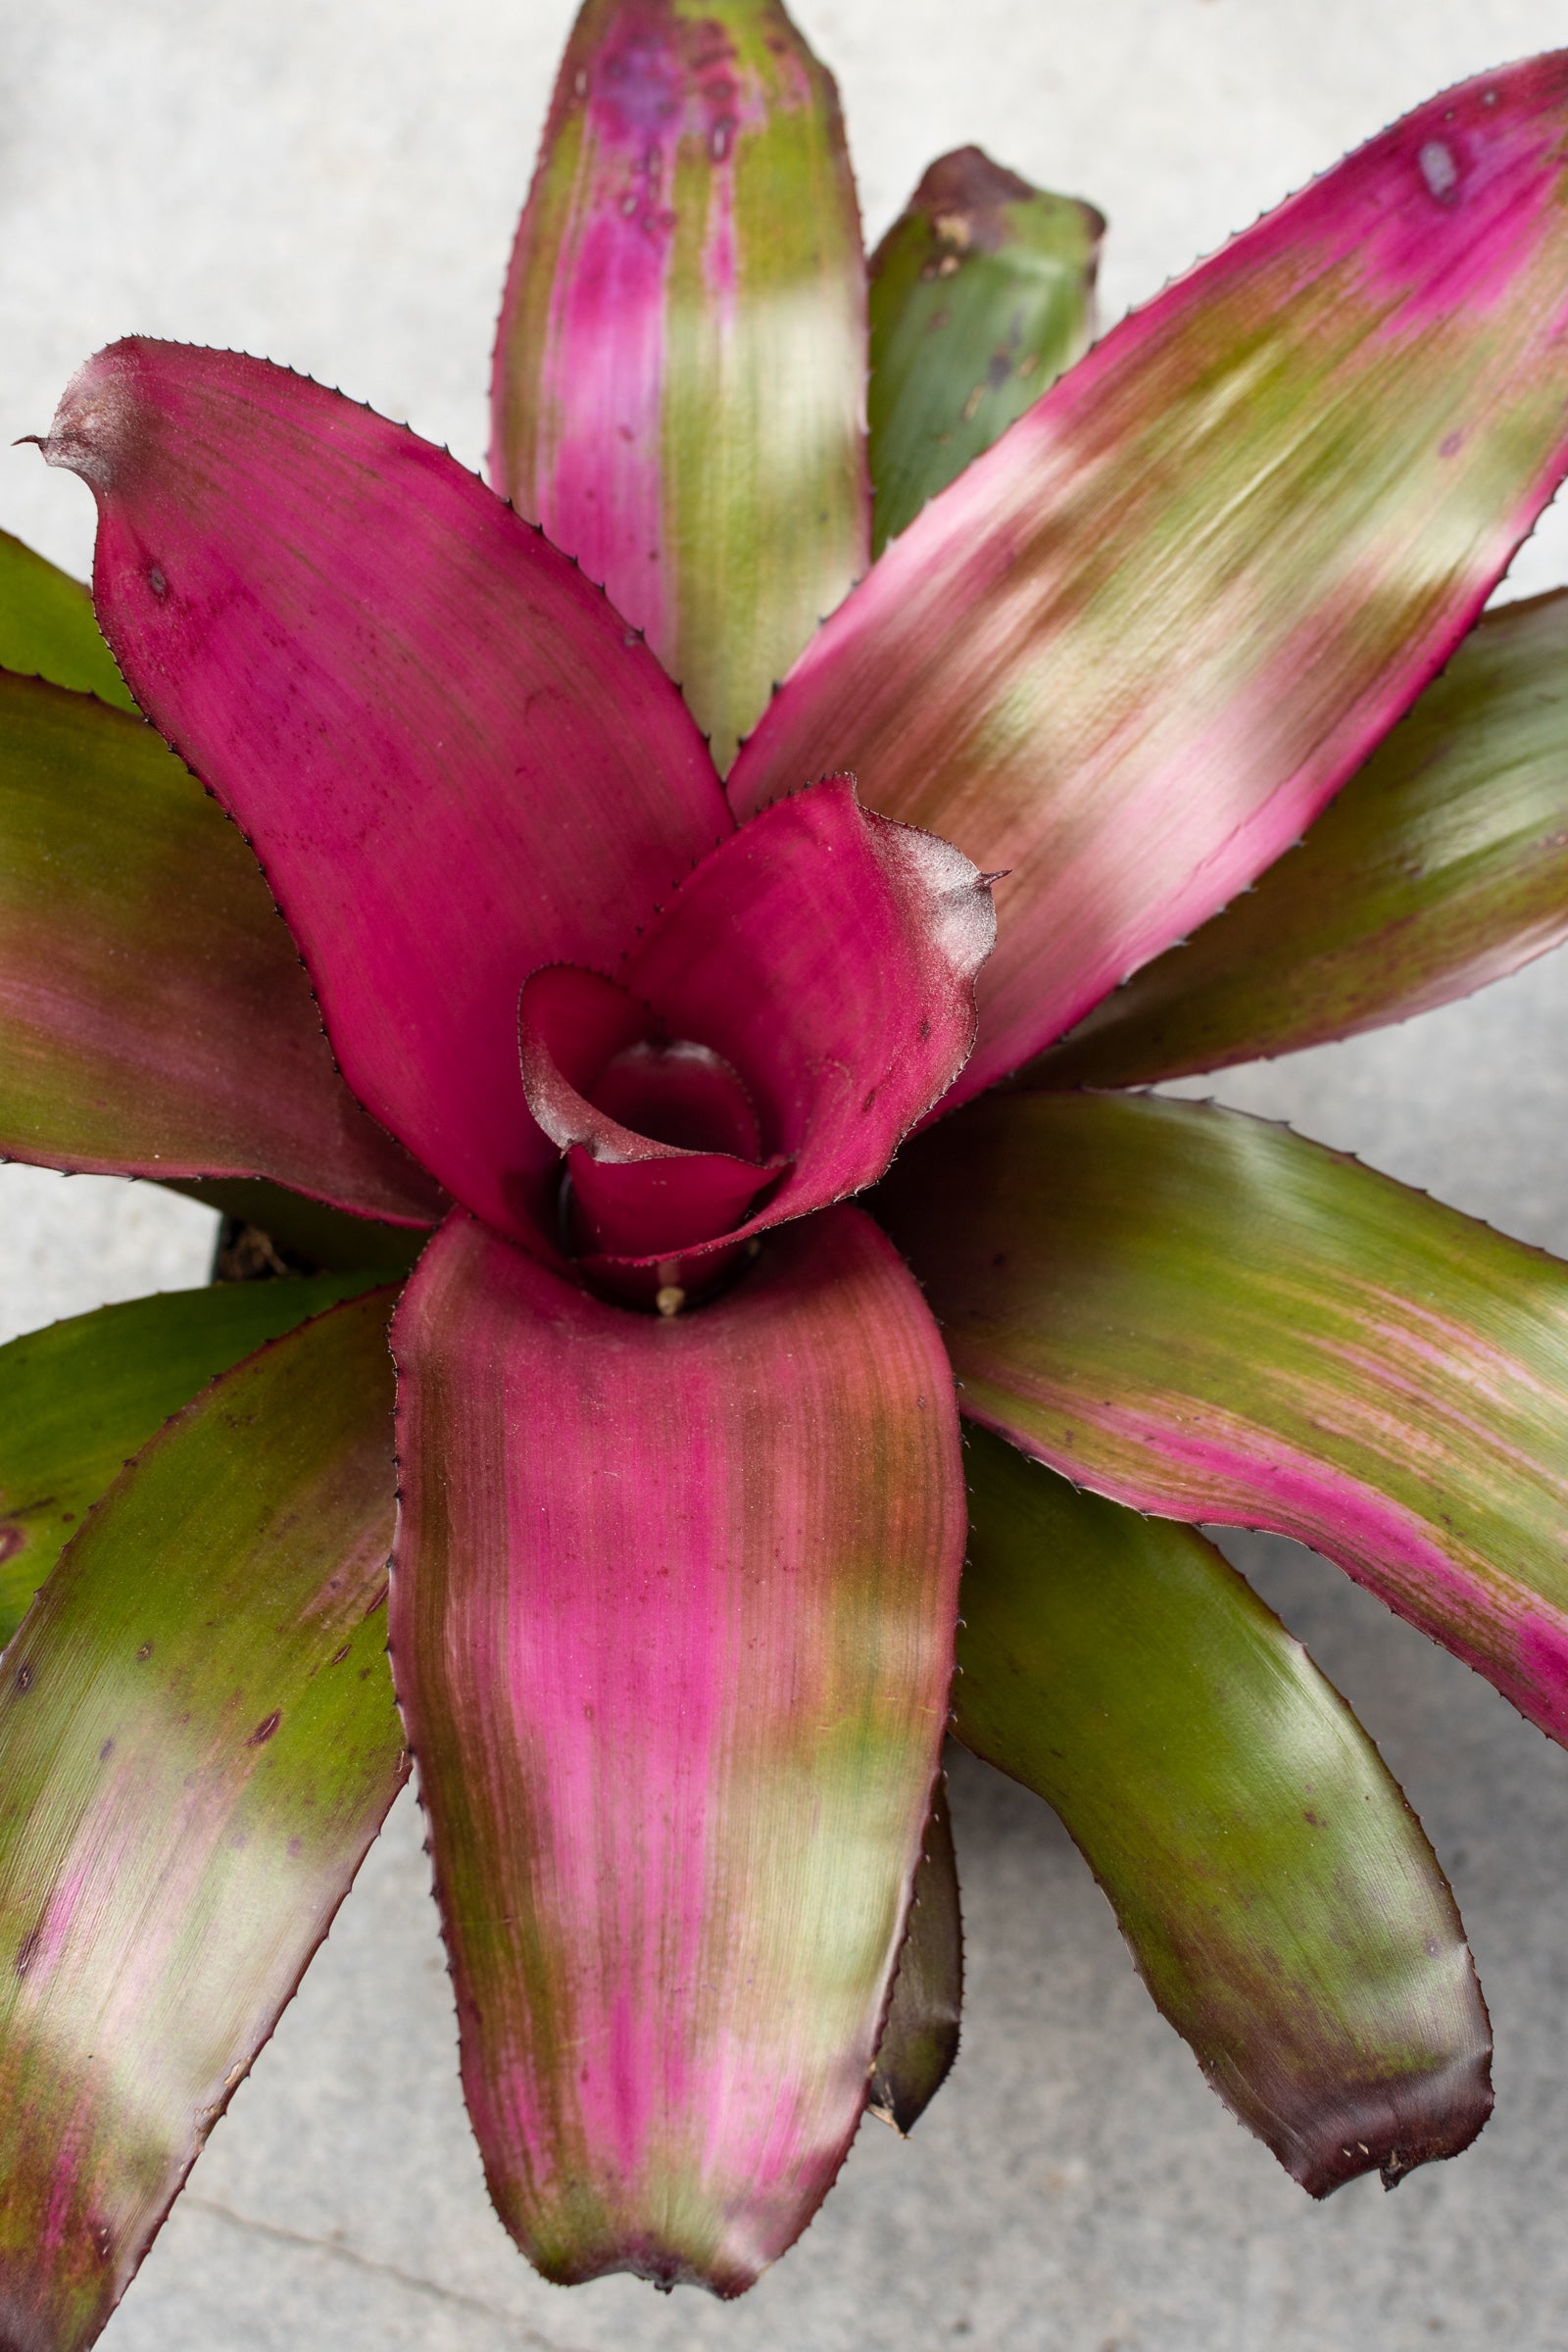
<point x="333" y="182"/>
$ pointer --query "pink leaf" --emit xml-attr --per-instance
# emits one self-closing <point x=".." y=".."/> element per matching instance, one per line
<point x="672" y="1621"/>
<point x="668" y="1152"/>
<point x="1132" y="651"/>
<point x="826" y="959"/>
<point x="453" y="759"/>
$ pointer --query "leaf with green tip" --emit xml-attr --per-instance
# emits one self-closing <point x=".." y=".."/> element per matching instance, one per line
<point x="154" y="1017"/>
<point x="47" y="628"/>
<point x="672" y="1622"/>
<point x="1135" y="648"/>
<point x="197" y="1744"/>
<point x="1280" y="1900"/>
<point x="1207" y="1316"/>
<point x="1443" y="864"/>
<point x="680" y="365"/>
<point x="77" y="1400"/>
<point x="981" y="294"/>
<point x="920" y="2038"/>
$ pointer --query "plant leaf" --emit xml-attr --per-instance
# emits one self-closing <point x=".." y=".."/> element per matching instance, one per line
<point x="982" y="293"/>
<point x="1209" y="1317"/>
<point x="197" y="1744"/>
<point x="77" y="1400"/>
<point x="322" y="1240"/>
<point x="47" y="628"/>
<point x="153" y="1019"/>
<point x="1280" y="1902"/>
<point x="673" y="1629"/>
<point x="680" y="365"/>
<point x="453" y="763"/>
<point x="920" y="2038"/>
<point x="829" y="957"/>
<point x="1442" y="865"/>
<point x="1135" y="648"/>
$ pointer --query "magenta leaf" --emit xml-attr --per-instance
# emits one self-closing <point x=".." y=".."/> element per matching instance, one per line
<point x="453" y="759"/>
<point x="673" y="1620"/>
<point x="1135" y="647"/>
<point x="1204" y="1316"/>
<point x="821" y="956"/>
<point x="680" y="367"/>
<point x="153" y="1019"/>
<point x="197" y="1744"/>
<point x="668" y="1152"/>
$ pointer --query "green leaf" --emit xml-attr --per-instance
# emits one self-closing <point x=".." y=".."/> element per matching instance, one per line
<point x="47" y="629"/>
<point x="920" y="2038"/>
<point x="1442" y="865"/>
<point x="197" y="1743"/>
<point x="1280" y="1900"/>
<point x="154" y="1016"/>
<point x="78" y="1400"/>
<point x="982" y="293"/>
<point x="328" y="1237"/>
<point x="1207" y="1316"/>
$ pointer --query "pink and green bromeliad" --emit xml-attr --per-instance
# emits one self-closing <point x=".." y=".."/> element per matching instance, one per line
<point x="628" y="990"/>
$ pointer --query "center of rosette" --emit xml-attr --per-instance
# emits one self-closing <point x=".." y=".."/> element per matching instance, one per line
<point x="662" y="1145"/>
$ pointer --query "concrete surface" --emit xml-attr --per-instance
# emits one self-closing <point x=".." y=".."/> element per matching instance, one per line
<point x="332" y="182"/>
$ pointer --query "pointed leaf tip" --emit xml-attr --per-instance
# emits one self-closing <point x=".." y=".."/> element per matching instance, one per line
<point x="920" y="2039"/>
<point x="451" y="763"/>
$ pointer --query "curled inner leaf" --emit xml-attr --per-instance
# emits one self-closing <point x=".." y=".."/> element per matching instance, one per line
<point x="662" y="1141"/>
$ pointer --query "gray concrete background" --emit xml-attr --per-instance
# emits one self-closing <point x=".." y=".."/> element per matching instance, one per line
<point x="333" y="182"/>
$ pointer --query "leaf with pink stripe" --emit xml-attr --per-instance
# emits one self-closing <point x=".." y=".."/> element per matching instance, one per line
<point x="671" y="1630"/>
<point x="680" y="367"/>
<point x="1204" y="1316"/>
<point x="1135" y="647"/>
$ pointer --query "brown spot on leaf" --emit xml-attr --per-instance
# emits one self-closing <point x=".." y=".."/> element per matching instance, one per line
<point x="265" y="1728"/>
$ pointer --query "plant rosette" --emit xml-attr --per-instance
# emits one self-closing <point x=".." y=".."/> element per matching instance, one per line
<point x="714" y="1092"/>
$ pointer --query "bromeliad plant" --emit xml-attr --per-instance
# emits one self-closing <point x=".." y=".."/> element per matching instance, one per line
<point x="681" y="1499"/>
